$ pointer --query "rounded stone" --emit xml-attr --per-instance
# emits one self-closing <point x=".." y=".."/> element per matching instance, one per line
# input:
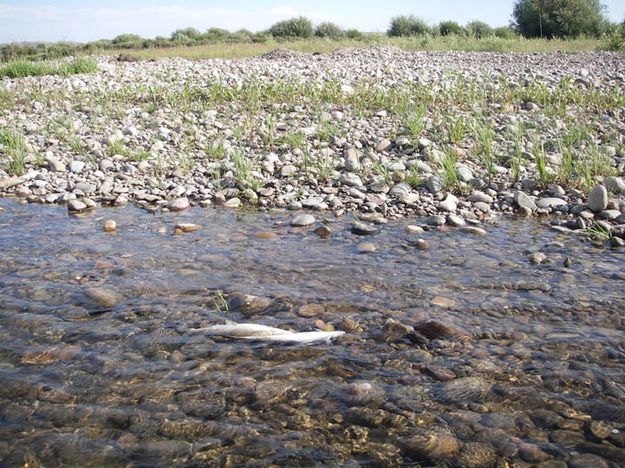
<point x="110" y="225"/>
<point x="598" y="198"/>
<point x="303" y="220"/>
<point x="178" y="204"/>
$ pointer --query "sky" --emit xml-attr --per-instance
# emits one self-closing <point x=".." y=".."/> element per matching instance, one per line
<point x="85" y="20"/>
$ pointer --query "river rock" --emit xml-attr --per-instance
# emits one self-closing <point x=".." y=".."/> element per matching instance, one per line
<point x="76" y="166"/>
<point x="550" y="202"/>
<point x="76" y="206"/>
<point x="178" y="204"/>
<point x="450" y="203"/>
<point x="614" y="184"/>
<point x="110" y="225"/>
<point x="352" y="160"/>
<point x="524" y="201"/>
<point x="598" y="198"/>
<point x="55" y="165"/>
<point x="102" y="296"/>
<point x="362" y="229"/>
<point x="303" y="220"/>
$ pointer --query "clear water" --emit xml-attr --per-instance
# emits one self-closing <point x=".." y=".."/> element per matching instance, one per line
<point x="535" y="363"/>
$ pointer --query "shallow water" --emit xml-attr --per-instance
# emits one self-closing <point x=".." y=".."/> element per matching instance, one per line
<point x="529" y="367"/>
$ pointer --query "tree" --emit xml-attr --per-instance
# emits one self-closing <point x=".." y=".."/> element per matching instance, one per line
<point x="329" y="30"/>
<point x="558" y="18"/>
<point x="447" y="28"/>
<point x="408" y="26"/>
<point x="293" y="28"/>
<point x="479" y="29"/>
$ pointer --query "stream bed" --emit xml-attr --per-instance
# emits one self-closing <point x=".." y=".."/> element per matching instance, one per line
<point x="459" y="351"/>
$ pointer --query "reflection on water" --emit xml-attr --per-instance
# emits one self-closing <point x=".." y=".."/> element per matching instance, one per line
<point x="508" y="362"/>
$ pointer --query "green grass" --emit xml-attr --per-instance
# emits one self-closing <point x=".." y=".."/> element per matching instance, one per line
<point x="13" y="148"/>
<point x="20" y="69"/>
<point x="423" y="43"/>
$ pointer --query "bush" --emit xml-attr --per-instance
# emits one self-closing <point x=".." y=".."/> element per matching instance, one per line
<point x="215" y="35"/>
<point x="185" y="35"/>
<point x="293" y="28"/>
<point x="505" y="32"/>
<point x="447" y="28"/>
<point x="329" y="30"/>
<point x="615" y="39"/>
<point x="558" y="18"/>
<point x="479" y="29"/>
<point x="354" y="34"/>
<point x="408" y="26"/>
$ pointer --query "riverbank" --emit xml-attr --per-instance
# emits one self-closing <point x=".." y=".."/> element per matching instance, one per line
<point x="454" y="138"/>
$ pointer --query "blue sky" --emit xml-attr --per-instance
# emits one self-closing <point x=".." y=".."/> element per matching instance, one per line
<point x="74" y="20"/>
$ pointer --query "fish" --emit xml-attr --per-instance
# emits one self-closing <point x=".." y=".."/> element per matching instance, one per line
<point x="256" y="332"/>
<point x="312" y="337"/>
<point x="241" y="330"/>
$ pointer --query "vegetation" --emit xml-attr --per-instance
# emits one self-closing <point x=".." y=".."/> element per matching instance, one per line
<point x="294" y="28"/>
<point x="446" y="28"/>
<point x="559" y="18"/>
<point x="330" y="31"/>
<point x="408" y="26"/>
<point x="21" y="68"/>
<point x="479" y="29"/>
<point x="615" y="39"/>
<point x="13" y="145"/>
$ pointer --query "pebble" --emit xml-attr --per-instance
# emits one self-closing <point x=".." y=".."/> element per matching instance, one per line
<point x="367" y="247"/>
<point x="110" y="225"/>
<point x="450" y="203"/>
<point x="615" y="185"/>
<point x="474" y="230"/>
<point x="412" y="229"/>
<point x="187" y="227"/>
<point x="598" y="198"/>
<point x="76" y="166"/>
<point x="178" y="204"/>
<point x="323" y="232"/>
<point x="103" y="297"/>
<point x="76" y="206"/>
<point x="362" y="229"/>
<point x="537" y="258"/>
<point x="303" y="220"/>
<point x="550" y="202"/>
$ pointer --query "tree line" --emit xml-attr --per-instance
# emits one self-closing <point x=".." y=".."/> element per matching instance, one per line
<point x="530" y="19"/>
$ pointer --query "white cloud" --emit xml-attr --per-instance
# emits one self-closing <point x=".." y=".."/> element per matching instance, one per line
<point x="284" y="10"/>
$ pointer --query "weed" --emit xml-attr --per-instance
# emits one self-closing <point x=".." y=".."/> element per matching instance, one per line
<point x="117" y="147"/>
<point x="448" y="172"/>
<point x="294" y="140"/>
<point x="220" y="303"/>
<point x="381" y="170"/>
<point x="14" y="147"/>
<point x="413" y="178"/>
<point x="244" y="167"/>
<point x="597" y="231"/>
<point x="216" y="150"/>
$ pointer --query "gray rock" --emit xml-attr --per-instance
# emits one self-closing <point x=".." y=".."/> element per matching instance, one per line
<point x="478" y="196"/>
<point x="383" y="145"/>
<point x="435" y="220"/>
<point x="362" y="229"/>
<point x="352" y="160"/>
<point x="55" y="165"/>
<point x="103" y="297"/>
<point x="76" y="166"/>
<point x="474" y="230"/>
<point x="455" y="220"/>
<point x="350" y="179"/>
<point x="178" y="204"/>
<point x="614" y="184"/>
<point x="598" y="198"/>
<point x="303" y="220"/>
<point x="400" y="190"/>
<point x="434" y="184"/>
<point x="464" y="173"/>
<point x="537" y="258"/>
<point x="550" y="202"/>
<point x="524" y="201"/>
<point x="76" y="206"/>
<point x="450" y="204"/>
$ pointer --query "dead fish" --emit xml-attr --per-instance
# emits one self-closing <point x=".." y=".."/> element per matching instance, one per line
<point x="300" y="338"/>
<point x="241" y="330"/>
<point x="252" y="331"/>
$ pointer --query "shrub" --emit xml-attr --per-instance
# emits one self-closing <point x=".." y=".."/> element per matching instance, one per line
<point x="185" y="35"/>
<point x="615" y="39"/>
<point x="479" y="29"/>
<point x="505" y="32"/>
<point x="558" y="18"/>
<point x="354" y="34"/>
<point x="408" y="26"/>
<point x="293" y="28"/>
<point x="215" y="35"/>
<point x="329" y="30"/>
<point x="447" y="28"/>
